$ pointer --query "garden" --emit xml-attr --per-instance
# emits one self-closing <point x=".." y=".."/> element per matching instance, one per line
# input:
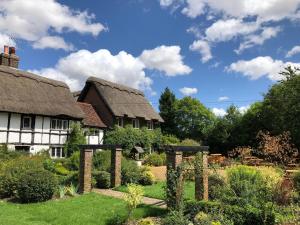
<point x="254" y="178"/>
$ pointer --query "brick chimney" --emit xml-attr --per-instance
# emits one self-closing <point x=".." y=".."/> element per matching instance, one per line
<point x="9" y="57"/>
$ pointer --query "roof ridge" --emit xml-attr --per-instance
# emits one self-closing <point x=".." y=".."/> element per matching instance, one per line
<point x="120" y="87"/>
<point x="21" y="74"/>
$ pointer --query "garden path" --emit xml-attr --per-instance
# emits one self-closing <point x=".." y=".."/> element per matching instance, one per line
<point x="117" y="194"/>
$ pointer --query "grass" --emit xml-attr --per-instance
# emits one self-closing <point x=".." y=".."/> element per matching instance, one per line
<point x="86" y="209"/>
<point x="157" y="190"/>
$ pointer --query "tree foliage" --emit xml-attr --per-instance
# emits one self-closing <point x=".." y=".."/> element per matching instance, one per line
<point x="76" y="138"/>
<point x="167" y="111"/>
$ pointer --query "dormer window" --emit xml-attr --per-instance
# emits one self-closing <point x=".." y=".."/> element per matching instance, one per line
<point x="135" y="123"/>
<point x="120" y="122"/>
<point x="150" y="125"/>
<point x="26" y="122"/>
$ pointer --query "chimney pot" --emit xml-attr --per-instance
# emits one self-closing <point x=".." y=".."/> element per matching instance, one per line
<point x="6" y="51"/>
<point x="12" y="50"/>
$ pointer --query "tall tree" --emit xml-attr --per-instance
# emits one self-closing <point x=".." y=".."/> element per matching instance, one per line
<point x="167" y="109"/>
<point x="193" y="119"/>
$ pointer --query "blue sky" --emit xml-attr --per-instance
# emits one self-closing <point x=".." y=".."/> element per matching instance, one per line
<point x="221" y="53"/>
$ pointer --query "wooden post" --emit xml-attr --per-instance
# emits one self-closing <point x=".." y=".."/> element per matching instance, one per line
<point x="205" y="176"/>
<point x="116" y="161"/>
<point x="85" y="171"/>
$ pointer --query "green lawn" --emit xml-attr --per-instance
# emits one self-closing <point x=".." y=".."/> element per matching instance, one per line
<point x="157" y="190"/>
<point x="87" y="209"/>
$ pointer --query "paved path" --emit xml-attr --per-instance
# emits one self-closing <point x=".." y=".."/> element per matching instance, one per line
<point x="117" y="194"/>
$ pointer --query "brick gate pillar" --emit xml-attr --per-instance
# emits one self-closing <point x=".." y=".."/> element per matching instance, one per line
<point x="116" y="161"/>
<point x="174" y="159"/>
<point x="85" y="170"/>
<point x="201" y="176"/>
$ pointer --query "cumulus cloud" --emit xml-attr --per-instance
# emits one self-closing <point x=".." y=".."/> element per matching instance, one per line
<point x="223" y="98"/>
<point x="258" y="39"/>
<point x="166" y="59"/>
<point x="6" y="40"/>
<point x="295" y="50"/>
<point x="121" y="68"/>
<point x="219" y="112"/>
<point x="203" y="48"/>
<point x="187" y="91"/>
<point x="33" y="20"/>
<point x="54" y="42"/>
<point x="194" y="8"/>
<point x="259" y="67"/>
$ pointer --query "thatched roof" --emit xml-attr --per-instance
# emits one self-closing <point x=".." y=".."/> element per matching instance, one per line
<point x="24" y="92"/>
<point x="124" y="101"/>
<point x="91" y="118"/>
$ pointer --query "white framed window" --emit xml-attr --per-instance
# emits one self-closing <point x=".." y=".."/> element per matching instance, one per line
<point x="150" y="125"/>
<point x="58" y="124"/>
<point x="57" y="152"/>
<point x="120" y="122"/>
<point x="135" y="123"/>
<point x="26" y="122"/>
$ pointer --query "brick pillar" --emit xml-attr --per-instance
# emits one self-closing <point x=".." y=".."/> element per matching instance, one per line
<point x="174" y="159"/>
<point x="205" y="176"/>
<point x="85" y="170"/>
<point x="116" y="161"/>
<point x="201" y="177"/>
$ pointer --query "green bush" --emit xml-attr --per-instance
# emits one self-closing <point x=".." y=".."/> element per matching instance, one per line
<point x="296" y="180"/>
<point x="170" y="140"/>
<point x="189" y="142"/>
<point x="71" y="178"/>
<point x="146" y="221"/>
<point x="131" y="173"/>
<point x="102" y="179"/>
<point x="61" y="170"/>
<point x="155" y="159"/>
<point x="102" y="161"/>
<point x="147" y="177"/>
<point x="36" y="186"/>
<point x="73" y="161"/>
<point x="175" y="218"/>
<point x="12" y="170"/>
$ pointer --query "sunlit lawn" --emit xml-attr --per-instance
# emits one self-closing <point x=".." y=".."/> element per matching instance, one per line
<point x="157" y="190"/>
<point x="87" y="209"/>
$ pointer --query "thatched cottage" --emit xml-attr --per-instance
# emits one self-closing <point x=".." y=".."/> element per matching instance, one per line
<point x="118" y="104"/>
<point x="36" y="112"/>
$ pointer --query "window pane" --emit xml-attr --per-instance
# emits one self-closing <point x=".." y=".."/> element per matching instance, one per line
<point x="58" y="152"/>
<point x="59" y="124"/>
<point x="65" y="124"/>
<point x="52" y="152"/>
<point x="53" y="124"/>
<point x="26" y="122"/>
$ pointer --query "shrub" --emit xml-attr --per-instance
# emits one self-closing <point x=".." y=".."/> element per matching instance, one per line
<point x="170" y="140"/>
<point x="71" y="178"/>
<point x="147" y="178"/>
<point x="36" y="186"/>
<point x="146" y="221"/>
<point x="133" y="198"/>
<point x="12" y="170"/>
<point x="130" y="171"/>
<point x="189" y="142"/>
<point x="175" y="218"/>
<point x="155" y="159"/>
<point x="296" y="180"/>
<point x="102" y="161"/>
<point x="73" y="161"/>
<point x="61" y="170"/>
<point x="75" y="139"/>
<point x="102" y="179"/>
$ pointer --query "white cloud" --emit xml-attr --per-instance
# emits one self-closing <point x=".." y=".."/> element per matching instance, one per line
<point x="223" y="98"/>
<point x="259" y="67"/>
<point x="166" y="59"/>
<point x="219" y="112"/>
<point x="295" y="50"/>
<point x="244" y="109"/>
<point x="54" y="42"/>
<point x="225" y="30"/>
<point x="187" y="91"/>
<point x="6" y="40"/>
<point x="166" y="3"/>
<point x="258" y="39"/>
<point x="32" y="20"/>
<point x="194" y="8"/>
<point x="122" y="68"/>
<point x="203" y="48"/>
